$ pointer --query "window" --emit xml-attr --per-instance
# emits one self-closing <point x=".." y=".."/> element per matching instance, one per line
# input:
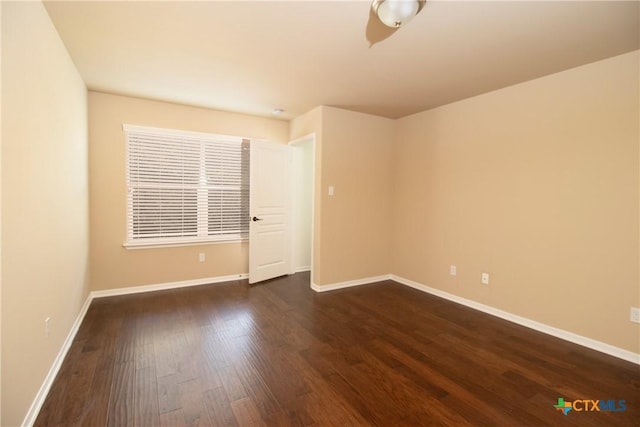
<point x="185" y="187"/>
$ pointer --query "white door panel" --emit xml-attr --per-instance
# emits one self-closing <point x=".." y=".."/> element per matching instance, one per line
<point x="269" y="229"/>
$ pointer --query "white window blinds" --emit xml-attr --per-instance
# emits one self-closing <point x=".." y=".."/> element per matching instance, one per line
<point x="185" y="187"/>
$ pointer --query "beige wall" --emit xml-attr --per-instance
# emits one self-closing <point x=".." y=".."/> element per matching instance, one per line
<point x="0" y="224"/>
<point x="355" y="222"/>
<point x="351" y="228"/>
<point x="536" y="184"/>
<point x="45" y="218"/>
<point x="113" y="266"/>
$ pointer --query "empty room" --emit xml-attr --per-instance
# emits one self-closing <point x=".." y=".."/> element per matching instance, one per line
<point x="320" y="213"/>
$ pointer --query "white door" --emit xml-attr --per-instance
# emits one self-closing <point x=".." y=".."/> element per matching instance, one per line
<point x="270" y="223"/>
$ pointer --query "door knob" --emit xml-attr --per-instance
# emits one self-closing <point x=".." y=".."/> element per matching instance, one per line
<point x="255" y="218"/>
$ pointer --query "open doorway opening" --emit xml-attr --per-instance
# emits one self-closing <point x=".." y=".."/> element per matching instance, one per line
<point x="303" y="172"/>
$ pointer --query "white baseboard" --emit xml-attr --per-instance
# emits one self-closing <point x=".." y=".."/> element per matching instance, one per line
<point x="302" y="269"/>
<point x="532" y="324"/>
<point x="168" y="285"/>
<point x="37" y="403"/>
<point x="611" y="350"/>
<point x="349" y="283"/>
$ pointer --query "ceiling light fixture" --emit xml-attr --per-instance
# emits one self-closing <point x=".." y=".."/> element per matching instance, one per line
<point x="396" y="13"/>
<point x="277" y="111"/>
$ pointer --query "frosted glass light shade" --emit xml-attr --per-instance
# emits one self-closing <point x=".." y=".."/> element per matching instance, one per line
<point x="395" y="13"/>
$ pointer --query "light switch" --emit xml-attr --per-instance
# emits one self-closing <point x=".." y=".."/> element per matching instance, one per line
<point x="331" y="190"/>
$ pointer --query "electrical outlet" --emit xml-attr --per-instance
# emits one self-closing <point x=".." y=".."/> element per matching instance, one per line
<point x="47" y="326"/>
<point x="452" y="270"/>
<point x="634" y="316"/>
<point x="201" y="257"/>
<point x="484" y="278"/>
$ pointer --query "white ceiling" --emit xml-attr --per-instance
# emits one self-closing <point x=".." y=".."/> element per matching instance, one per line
<point x="253" y="56"/>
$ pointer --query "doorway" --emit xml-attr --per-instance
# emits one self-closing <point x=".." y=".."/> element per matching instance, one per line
<point x="303" y="173"/>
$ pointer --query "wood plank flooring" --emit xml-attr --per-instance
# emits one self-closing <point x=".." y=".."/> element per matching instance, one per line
<point x="279" y="354"/>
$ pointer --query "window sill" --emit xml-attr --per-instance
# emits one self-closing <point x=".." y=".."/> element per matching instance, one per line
<point x="173" y="244"/>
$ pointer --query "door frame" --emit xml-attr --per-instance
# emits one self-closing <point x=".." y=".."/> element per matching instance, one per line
<point x="294" y="202"/>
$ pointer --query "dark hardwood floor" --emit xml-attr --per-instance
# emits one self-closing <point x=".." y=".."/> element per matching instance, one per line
<point x="280" y="354"/>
